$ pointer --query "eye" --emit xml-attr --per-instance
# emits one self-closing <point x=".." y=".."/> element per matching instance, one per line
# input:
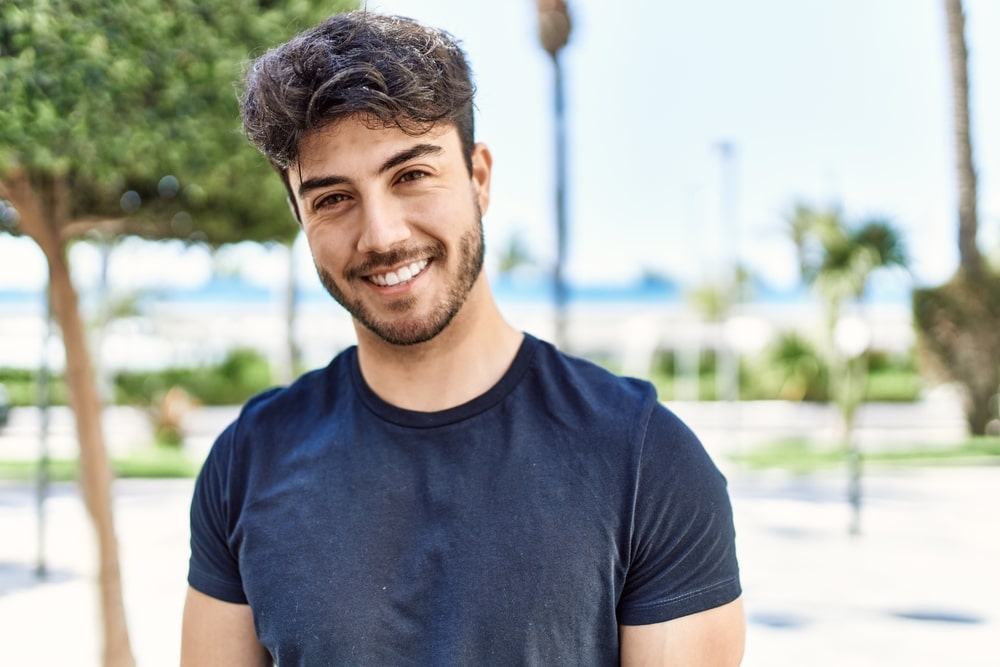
<point x="329" y="200"/>
<point x="412" y="175"/>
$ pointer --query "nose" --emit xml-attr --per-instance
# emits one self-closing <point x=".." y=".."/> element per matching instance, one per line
<point x="383" y="227"/>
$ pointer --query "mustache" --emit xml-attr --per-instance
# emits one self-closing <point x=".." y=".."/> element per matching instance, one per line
<point x="376" y="262"/>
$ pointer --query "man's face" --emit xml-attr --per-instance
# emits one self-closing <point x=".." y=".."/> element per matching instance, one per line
<point x="394" y="224"/>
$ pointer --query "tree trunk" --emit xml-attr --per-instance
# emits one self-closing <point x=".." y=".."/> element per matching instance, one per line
<point x="44" y="210"/>
<point x="968" y="219"/>
<point x="957" y="322"/>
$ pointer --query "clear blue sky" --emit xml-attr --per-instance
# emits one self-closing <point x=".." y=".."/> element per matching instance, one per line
<point x="844" y="101"/>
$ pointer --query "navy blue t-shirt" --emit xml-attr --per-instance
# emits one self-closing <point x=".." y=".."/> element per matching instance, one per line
<point x="517" y="529"/>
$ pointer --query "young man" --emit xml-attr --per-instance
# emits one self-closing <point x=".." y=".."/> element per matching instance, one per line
<point x="450" y="491"/>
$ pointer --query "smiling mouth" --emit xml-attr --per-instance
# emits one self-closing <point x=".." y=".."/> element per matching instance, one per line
<point x="401" y="275"/>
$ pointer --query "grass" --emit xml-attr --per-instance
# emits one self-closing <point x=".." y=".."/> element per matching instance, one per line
<point x="893" y="385"/>
<point x="150" y="462"/>
<point x="802" y="456"/>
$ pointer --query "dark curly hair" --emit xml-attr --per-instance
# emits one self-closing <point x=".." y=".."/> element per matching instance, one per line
<point x="387" y="70"/>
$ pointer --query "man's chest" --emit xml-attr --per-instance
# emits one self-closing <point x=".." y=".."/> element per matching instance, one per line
<point x="444" y="555"/>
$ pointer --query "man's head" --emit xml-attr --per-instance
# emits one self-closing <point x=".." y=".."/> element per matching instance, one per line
<point x="390" y="71"/>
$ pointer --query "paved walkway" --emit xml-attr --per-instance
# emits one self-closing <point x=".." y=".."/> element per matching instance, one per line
<point x="919" y="587"/>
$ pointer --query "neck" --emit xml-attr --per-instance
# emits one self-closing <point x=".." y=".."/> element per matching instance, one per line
<point x="462" y="362"/>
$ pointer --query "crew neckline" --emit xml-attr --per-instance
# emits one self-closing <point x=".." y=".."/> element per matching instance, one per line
<point x="471" y="408"/>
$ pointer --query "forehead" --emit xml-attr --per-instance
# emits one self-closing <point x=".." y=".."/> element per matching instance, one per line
<point x="354" y="145"/>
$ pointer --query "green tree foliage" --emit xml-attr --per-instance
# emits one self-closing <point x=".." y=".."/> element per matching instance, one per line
<point x="803" y="372"/>
<point x="121" y="116"/>
<point x="837" y="259"/>
<point x="514" y="254"/>
<point x="140" y="97"/>
<point x="959" y="325"/>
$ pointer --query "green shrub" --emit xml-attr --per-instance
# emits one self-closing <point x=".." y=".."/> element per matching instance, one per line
<point x="957" y="325"/>
<point x="240" y="375"/>
<point x="893" y="385"/>
<point x="22" y="387"/>
<point x="792" y="369"/>
<point x="664" y="375"/>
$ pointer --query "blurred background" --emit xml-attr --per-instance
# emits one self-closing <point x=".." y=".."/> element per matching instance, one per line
<point x="784" y="214"/>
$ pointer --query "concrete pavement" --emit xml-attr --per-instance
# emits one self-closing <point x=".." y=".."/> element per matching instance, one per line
<point x="919" y="587"/>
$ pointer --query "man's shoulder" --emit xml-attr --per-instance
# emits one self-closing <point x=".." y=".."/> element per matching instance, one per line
<point x="567" y="371"/>
<point x="568" y="389"/>
<point x="314" y="392"/>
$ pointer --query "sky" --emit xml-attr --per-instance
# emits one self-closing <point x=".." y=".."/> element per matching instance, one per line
<point x="844" y="103"/>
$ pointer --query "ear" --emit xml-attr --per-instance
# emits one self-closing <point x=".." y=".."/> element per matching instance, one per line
<point x="482" y="168"/>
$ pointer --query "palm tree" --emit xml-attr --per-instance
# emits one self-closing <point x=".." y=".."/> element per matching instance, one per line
<point x="968" y="218"/>
<point x="958" y="321"/>
<point x="837" y="261"/>
<point x="514" y="254"/>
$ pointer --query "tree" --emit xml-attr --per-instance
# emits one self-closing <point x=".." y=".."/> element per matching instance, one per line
<point x="514" y="254"/>
<point x="120" y="116"/>
<point x="965" y="172"/>
<point x="554" y="27"/>
<point x="837" y="260"/>
<point x="957" y="325"/>
<point x="958" y="321"/>
<point x="715" y="301"/>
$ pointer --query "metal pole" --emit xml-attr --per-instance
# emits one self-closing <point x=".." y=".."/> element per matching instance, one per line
<point x="561" y="295"/>
<point x="856" y="371"/>
<point x="727" y="366"/>
<point x="42" y="474"/>
<point x="554" y="27"/>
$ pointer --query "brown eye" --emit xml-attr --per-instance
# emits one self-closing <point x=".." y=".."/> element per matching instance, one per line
<point x="412" y="175"/>
<point x="330" y="200"/>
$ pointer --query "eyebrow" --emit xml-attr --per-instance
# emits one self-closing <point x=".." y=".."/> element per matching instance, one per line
<point x="402" y="157"/>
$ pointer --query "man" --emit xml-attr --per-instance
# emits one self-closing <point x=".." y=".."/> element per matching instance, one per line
<point x="450" y="491"/>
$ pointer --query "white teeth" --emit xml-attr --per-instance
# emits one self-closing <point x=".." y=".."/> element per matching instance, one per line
<point x="403" y="275"/>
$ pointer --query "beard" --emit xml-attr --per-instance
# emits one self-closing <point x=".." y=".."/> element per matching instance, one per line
<point x="412" y="329"/>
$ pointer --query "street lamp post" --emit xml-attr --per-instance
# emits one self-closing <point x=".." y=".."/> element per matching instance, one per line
<point x="728" y="360"/>
<point x="553" y="31"/>
<point x="9" y="222"/>
<point x="43" y="474"/>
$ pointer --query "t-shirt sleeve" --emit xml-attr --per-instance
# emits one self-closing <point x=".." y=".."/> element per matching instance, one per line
<point x="683" y="554"/>
<point x="214" y="568"/>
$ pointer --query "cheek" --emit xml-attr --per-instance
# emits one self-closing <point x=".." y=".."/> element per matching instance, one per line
<point x="428" y="209"/>
<point x="447" y="215"/>
<point x="327" y="249"/>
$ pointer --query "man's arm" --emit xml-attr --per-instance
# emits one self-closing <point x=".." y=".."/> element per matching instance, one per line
<point x="219" y="633"/>
<point x="712" y="638"/>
